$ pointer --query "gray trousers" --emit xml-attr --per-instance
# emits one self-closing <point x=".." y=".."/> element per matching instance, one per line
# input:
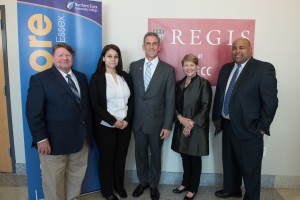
<point x="148" y="172"/>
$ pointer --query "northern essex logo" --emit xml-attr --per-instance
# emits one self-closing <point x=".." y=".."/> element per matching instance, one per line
<point x="82" y="7"/>
<point x="70" y="5"/>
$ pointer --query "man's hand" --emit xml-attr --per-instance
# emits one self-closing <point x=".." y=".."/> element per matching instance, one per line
<point x="44" y="147"/>
<point x="164" y="133"/>
<point x="218" y="126"/>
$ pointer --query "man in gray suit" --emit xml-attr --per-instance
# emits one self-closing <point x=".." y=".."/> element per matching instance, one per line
<point x="154" y="97"/>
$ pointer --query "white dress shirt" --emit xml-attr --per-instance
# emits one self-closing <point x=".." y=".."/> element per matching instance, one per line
<point x="154" y="63"/>
<point x="117" y="94"/>
<point x="228" y="82"/>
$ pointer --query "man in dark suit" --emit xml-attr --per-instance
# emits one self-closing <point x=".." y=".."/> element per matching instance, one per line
<point x="59" y="119"/>
<point x="154" y="99"/>
<point x="244" y="112"/>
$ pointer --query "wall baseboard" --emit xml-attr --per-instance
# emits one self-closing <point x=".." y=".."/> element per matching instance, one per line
<point x="216" y="180"/>
<point x="21" y="168"/>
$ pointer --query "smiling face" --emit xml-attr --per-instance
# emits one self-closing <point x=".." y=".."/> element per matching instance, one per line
<point x="189" y="68"/>
<point x="151" y="47"/>
<point x="62" y="59"/>
<point x="241" y="50"/>
<point x="190" y="65"/>
<point x="111" y="60"/>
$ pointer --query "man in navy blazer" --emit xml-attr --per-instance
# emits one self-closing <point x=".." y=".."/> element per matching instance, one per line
<point x="154" y="106"/>
<point x="251" y="110"/>
<point x="60" y="125"/>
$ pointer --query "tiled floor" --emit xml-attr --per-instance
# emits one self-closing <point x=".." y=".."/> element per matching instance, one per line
<point x="204" y="193"/>
<point x="13" y="187"/>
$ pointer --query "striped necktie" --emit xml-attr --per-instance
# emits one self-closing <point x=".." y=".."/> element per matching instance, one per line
<point x="147" y="77"/>
<point x="230" y="89"/>
<point x="73" y="88"/>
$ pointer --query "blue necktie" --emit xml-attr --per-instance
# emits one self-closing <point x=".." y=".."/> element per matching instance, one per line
<point x="229" y="90"/>
<point x="73" y="88"/>
<point x="147" y="77"/>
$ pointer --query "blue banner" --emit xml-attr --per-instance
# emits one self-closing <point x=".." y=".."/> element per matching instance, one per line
<point x="41" y="25"/>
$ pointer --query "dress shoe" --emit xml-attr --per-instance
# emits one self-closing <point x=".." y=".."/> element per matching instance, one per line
<point x="177" y="191"/>
<point x="190" y="198"/>
<point x="122" y="193"/>
<point x="224" y="194"/>
<point x="112" y="197"/>
<point x="154" y="194"/>
<point x="139" y="190"/>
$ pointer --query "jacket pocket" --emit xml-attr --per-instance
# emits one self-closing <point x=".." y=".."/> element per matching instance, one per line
<point x="251" y="120"/>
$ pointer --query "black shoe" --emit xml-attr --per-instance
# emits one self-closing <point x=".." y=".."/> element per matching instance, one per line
<point x="224" y="194"/>
<point x="122" y="193"/>
<point x="154" y="193"/>
<point x="177" y="191"/>
<point x="189" y="198"/>
<point x="112" y="197"/>
<point x="139" y="190"/>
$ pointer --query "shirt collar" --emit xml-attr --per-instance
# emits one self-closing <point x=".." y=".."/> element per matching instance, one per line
<point x="154" y="61"/>
<point x="65" y="74"/>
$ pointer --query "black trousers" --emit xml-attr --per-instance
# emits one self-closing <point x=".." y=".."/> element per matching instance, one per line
<point x="241" y="160"/>
<point x="192" y="167"/>
<point x="113" y="147"/>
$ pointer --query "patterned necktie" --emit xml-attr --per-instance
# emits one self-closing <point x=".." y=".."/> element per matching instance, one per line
<point x="229" y="90"/>
<point x="73" y="88"/>
<point x="147" y="77"/>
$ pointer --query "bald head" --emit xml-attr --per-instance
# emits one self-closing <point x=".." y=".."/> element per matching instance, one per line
<point x="241" y="50"/>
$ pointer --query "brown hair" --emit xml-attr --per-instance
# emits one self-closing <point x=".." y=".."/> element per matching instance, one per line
<point x="63" y="45"/>
<point x="152" y="34"/>
<point x="101" y="63"/>
<point x="191" y="58"/>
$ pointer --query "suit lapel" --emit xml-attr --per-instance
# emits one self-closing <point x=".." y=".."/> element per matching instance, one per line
<point x="64" y="83"/>
<point x="80" y="82"/>
<point x="242" y="75"/>
<point x="156" y="73"/>
<point x="140" y="72"/>
<point x="226" y="77"/>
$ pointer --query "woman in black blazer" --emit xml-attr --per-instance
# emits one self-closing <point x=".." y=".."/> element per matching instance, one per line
<point x="190" y="137"/>
<point x="112" y="104"/>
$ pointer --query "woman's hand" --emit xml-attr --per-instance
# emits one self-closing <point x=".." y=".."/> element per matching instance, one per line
<point x="121" y="124"/>
<point x="118" y="124"/>
<point x="186" y="132"/>
<point x="188" y="123"/>
<point x="125" y="124"/>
